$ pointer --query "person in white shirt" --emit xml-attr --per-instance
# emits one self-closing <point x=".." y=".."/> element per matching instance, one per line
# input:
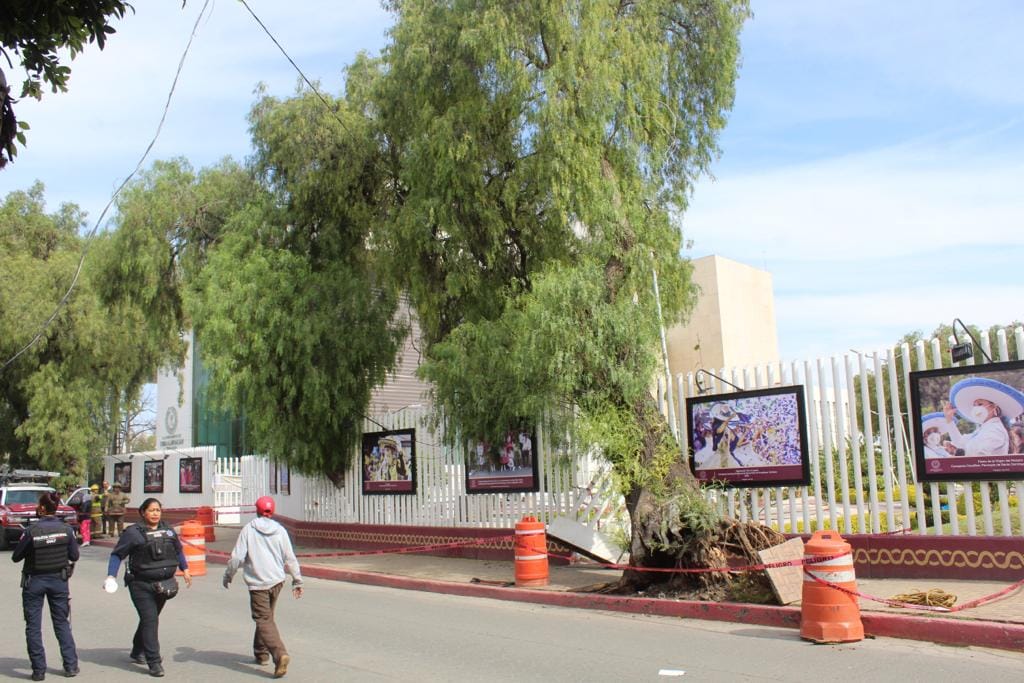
<point x="988" y="403"/>
<point x="990" y="438"/>
<point x="934" y="427"/>
<point x="265" y="551"/>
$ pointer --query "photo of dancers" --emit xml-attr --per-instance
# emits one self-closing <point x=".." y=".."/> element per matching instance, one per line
<point x="749" y="438"/>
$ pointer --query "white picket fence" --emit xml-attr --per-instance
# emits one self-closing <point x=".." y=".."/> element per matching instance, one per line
<point x="566" y="486"/>
<point x="837" y="430"/>
<point x="227" y="490"/>
<point x="842" y="494"/>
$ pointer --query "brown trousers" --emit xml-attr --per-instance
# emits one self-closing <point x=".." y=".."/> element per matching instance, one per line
<point x="267" y="639"/>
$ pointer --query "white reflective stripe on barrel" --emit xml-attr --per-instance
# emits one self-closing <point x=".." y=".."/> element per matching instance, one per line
<point x="530" y="557"/>
<point x="528" y="532"/>
<point x="832" y="577"/>
<point x="846" y="559"/>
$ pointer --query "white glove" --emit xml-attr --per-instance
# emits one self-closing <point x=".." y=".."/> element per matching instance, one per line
<point x="110" y="584"/>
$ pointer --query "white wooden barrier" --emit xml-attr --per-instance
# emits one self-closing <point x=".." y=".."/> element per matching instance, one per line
<point x="844" y="493"/>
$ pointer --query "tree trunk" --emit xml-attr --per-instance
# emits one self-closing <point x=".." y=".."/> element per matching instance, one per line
<point x="674" y="527"/>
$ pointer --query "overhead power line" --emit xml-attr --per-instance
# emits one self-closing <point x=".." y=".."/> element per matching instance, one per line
<point x="295" y="66"/>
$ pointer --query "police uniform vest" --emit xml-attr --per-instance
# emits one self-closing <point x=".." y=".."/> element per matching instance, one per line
<point x="50" y="541"/>
<point x="157" y="558"/>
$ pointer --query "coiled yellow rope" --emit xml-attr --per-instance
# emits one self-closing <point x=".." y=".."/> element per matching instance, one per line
<point x="936" y="597"/>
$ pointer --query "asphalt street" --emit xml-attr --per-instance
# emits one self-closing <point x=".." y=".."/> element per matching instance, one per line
<point x="348" y="632"/>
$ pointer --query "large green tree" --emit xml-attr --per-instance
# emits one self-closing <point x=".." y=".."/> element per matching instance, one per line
<point x="515" y="169"/>
<point x="542" y="150"/>
<point x="60" y="395"/>
<point x="294" y="313"/>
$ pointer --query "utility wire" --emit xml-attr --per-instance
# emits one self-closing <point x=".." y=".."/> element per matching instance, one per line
<point x="295" y="66"/>
<point x="113" y="197"/>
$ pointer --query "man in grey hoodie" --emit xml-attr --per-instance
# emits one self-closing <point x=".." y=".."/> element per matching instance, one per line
<point x="265" y="551"/>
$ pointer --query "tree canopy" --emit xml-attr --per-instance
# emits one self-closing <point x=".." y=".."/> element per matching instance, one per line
<point x="514" y="170"/>
<point x="35" y="33"/>
<point x="60" y="399"/>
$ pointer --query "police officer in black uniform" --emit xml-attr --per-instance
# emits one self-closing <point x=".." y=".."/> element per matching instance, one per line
<point x="153" y="552"/>
<point x="50" y="549"/>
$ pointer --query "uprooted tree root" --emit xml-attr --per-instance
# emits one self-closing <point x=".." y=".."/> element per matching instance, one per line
<point x="732" y="544"/>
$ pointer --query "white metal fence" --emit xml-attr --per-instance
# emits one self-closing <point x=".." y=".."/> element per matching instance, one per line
<point x="846" y="491"/>
<point x="566" y="487"/>
<point x="227" y="490"/>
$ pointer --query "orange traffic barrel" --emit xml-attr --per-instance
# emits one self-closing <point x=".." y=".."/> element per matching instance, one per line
<point x="205" y="516"/>
<point x="193" y="541"/>
<point x="828" y="614"/>
<point x="531" y="553"/>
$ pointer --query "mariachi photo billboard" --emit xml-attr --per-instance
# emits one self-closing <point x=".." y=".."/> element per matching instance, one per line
<point x="749" y="438"/>
<point x="507" y="466"/>
<point x="388" y="462"/>
<point x="968" y="422"/>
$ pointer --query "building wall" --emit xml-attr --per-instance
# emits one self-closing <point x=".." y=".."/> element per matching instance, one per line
<point x="402" y="389"/>
<point x="174" y="404"/>
<point x="733" y="323"/>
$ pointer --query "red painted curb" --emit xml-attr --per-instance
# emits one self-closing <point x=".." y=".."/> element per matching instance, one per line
<point x="935" y="629"/>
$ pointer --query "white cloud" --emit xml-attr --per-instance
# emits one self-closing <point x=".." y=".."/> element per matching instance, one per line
<point x="887" y="202"/>
<point x="84" y="142"/>
<point x="813" y="325"/>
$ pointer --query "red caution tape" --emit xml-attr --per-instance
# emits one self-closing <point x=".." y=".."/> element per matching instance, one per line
<point x="925" y="608"/>
<point x="705" y="570"/>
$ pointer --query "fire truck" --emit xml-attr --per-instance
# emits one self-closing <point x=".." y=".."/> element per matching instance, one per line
<point x="19" y="495"/>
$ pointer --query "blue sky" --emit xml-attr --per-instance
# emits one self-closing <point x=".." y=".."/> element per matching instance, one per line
<point x="873" y="163"/>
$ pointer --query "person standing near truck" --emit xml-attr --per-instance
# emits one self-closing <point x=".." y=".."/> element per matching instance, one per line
<point x="49" y="550"/>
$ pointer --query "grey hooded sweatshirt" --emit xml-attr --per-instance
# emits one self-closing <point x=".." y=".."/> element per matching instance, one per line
<point x="265" y="551"/>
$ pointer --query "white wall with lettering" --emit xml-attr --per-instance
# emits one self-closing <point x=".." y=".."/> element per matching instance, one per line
<point x="174" y="404"/>
<point x="178" y="478"/>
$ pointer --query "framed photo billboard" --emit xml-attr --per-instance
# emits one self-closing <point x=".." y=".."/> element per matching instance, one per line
<point x="506" y="467"/>
<point x="190" y="475"/>
<point x="389" y="462"/>
<point x="968" y="422"/>
<point x="123" y="476"/>
<point x="153" y="476"/>
<point x="749" y="438"/>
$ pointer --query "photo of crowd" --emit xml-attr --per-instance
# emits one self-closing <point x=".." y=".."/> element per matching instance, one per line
<point x="754" y="438"/>
<point x="970" y="422"/>
<point x="389" y="462"/>
<point x="505" y="466"/>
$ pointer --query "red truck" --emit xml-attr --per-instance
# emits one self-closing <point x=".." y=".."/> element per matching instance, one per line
<point x="19" y="495"/>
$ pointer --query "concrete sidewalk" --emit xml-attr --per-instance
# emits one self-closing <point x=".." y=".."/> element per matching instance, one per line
<point x="997" y="624"/>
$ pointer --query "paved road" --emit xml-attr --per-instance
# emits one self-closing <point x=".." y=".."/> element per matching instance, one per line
<point x="347" y="632"/>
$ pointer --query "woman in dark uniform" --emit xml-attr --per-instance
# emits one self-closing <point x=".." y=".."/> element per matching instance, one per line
<point x="50" y="550"/>
<point x="153" y="552"/>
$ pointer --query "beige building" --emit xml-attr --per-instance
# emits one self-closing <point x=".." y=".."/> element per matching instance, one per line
<point x="733" y="323"/>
